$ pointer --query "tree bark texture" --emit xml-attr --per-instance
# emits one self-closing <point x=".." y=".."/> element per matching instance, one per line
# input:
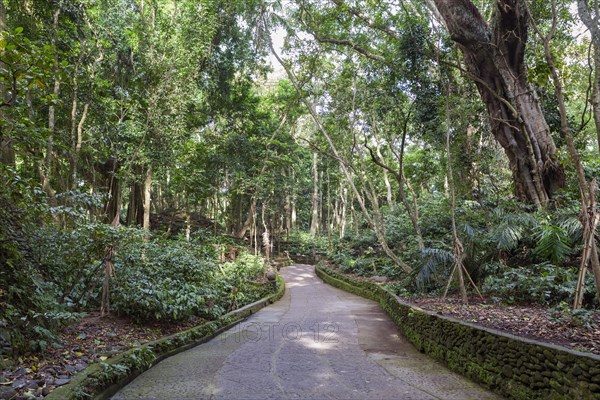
<point x="494" y="57"/>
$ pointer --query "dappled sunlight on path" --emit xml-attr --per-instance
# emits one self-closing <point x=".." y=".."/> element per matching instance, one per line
<point x="318" y="342"/>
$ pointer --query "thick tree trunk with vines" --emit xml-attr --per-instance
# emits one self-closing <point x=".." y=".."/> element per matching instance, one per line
<point x="241" y="233"/>
<point x="494" y="57"/>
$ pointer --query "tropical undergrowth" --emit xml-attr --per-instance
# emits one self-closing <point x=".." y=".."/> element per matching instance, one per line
<point x="51" y="275"/>
<point x="514" y="253"/>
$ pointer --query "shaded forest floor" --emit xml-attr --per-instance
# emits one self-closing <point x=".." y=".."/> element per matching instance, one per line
<point x="92" y="339"/>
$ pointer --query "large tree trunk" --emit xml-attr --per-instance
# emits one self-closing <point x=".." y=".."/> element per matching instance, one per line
<point x="494" y="57"/>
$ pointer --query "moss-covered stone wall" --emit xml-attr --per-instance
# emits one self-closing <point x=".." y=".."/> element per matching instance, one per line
<point x="511" y="366"/>
<point x="102" y="380"/>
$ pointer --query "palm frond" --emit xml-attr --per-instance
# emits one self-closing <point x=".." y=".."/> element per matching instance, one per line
<point x="511" y="229"/>
<point x="522" y="219"/>
<point x="553" y="243"/>
<point x="507" y="236"/>
<point x="468" y="230"/>
<point x="435" y="259"/>
<point x="572" y="227"/>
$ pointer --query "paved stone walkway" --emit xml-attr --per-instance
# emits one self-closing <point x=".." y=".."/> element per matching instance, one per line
<point x="317" y="342"/>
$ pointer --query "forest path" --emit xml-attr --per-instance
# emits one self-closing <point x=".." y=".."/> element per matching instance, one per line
<point x="317" y="342"/>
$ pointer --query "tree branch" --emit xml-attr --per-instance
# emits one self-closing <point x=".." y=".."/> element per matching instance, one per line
<point x="351" y="44"/>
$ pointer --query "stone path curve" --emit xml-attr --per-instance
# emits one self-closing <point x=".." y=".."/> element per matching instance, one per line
<point x="317" y="342"/>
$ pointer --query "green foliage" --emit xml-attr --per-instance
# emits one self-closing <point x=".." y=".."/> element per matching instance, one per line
<point x="563" y="314"/>
<point x="511" y="228"/>
<point x="111" y="372"/>
<point x="542" y="283"/>
<point x="553" y="243"/>
<point x="155" y="279"/>
<point x="303" y="244"/>
<point x="160" y="281"/>
<point x="140" y="358"/>
<point x="437" y="263"/>
<point x="178" y="280"/>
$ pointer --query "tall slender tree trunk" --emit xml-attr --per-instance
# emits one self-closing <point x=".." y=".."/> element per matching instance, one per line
<point x="386" y="180"/>
<point x="314" y="223"/>
<point x="112" y="182"/>
<point x="589" y="12"/>
<point x="328" y="218"/>
<point x="47" y="165"/>
<point x="343" y="211"/>
<point x="589" y="211"/>
<point x="457" y="246"/>
<point x="147" y="198"/>
<point x="596" y="90"/>
<point x="494" y="56"/>
<point x="78" y="126"/>
<point x="412" y="210"/>
<point x="7" y="155"/>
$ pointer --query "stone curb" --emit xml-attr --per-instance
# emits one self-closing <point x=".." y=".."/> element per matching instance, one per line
<point x="511" y="366"/>
<point x="102" y="380"/>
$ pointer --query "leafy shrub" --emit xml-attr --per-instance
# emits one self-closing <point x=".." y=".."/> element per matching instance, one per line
<point x="303" y="244"/>
<point x="174" y="280"/>
<point x="543" y="283"/>
<point x="563" y="314"/>
<point x="30" y="307"/>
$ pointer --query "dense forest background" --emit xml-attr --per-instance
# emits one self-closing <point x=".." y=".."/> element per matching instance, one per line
<point x="156" y="155"/>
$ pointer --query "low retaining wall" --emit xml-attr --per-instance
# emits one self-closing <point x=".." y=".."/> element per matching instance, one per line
<point x="514" y="367"/>
<point x="102" y="380"/>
